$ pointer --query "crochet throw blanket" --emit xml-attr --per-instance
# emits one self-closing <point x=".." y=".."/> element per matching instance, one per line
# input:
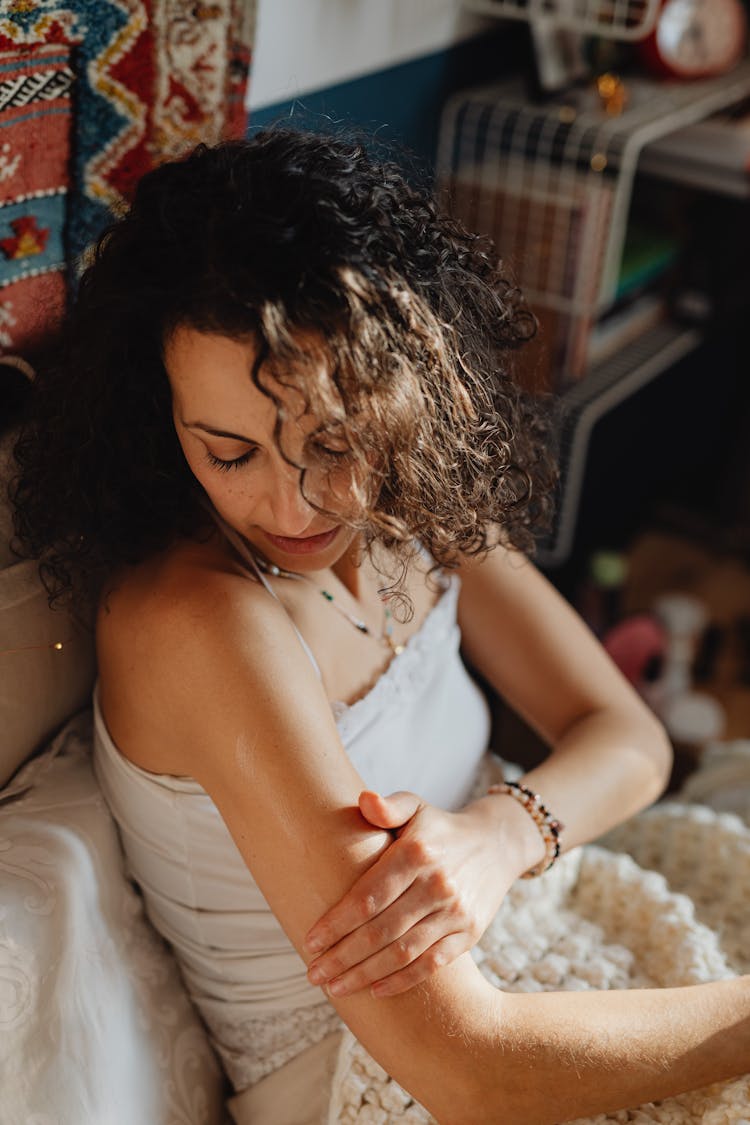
<point x="675" y="910"/>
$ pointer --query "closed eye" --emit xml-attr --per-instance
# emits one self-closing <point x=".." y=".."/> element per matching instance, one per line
<point x="328" y="444"/>
<point x="328" y="452"/>
<point x="225" y="466"/>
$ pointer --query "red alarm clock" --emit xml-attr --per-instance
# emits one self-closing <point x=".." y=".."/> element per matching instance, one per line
<point x="696" y="38"/>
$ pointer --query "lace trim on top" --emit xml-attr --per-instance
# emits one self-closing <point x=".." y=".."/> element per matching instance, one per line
<point x="252" y="1048"/>
<point x="408" y="671"/>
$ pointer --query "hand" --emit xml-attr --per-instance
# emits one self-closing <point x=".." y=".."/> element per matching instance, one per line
<point x="428" y="899"/>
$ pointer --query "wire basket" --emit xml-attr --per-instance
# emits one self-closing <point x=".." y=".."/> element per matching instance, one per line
<point x="611" y="19"/>
<point x="551" y="184"/>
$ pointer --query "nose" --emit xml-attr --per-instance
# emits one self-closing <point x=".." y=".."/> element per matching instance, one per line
<point x="291" y="513"/>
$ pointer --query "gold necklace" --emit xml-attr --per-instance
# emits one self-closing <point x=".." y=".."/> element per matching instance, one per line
<point x="386" y="636"/>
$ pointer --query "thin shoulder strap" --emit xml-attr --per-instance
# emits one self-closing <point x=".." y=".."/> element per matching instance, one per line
<point x="247" y="556"/>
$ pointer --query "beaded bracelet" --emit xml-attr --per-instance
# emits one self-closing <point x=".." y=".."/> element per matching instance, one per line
<point x="549" y="827"/>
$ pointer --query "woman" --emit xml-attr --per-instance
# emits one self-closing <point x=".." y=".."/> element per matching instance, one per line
<point x="286" y="452"/>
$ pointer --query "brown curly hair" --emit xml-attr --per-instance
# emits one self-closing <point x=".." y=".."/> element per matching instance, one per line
<point x="271" y="238"/>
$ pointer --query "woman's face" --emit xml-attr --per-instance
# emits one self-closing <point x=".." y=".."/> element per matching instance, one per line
<point x="225" y="426"/>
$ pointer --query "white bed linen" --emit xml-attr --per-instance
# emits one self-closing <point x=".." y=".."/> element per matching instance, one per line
<point x="95" y="1025"/>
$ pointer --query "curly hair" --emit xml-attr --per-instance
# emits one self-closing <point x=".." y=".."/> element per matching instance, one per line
<point x="266" y="239"/>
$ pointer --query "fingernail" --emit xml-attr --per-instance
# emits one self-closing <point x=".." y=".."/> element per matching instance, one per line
<point x="337" y="988"/>
<point x="316" y="975"/>
<point x="314" y="944"/>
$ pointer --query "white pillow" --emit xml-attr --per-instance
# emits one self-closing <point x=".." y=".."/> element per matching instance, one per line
<point x="39" y="687"/>
<point x="95" y="1022"/>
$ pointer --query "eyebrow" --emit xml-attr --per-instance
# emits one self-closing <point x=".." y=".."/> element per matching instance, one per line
<point x="217" y="432"/>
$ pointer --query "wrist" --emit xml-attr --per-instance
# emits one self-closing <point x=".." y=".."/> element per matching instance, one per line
<point x="518" y="839"/>
<point x="548" y="824"/>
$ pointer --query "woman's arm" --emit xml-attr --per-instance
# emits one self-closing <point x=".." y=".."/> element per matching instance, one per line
<point x="446" y="875"/>
<point x="610" y="756"/>
<point x="239" y="708"/>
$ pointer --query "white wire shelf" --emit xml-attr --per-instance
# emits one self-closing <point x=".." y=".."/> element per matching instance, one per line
<point x="712" y="156"/>
<point x="586" y="403"/>
<point x="613" y="19"/>
<point x="551" y="182"/>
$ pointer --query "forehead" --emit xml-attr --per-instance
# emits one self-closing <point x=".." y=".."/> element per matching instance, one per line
<point x="210" y="369"/>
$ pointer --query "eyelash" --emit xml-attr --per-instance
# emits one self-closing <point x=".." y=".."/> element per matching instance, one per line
<point x="226" y="466"/>
<point x="238" y="462"/>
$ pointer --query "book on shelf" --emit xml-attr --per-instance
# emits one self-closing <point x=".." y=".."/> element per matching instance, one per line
<point x="647" y="254"/>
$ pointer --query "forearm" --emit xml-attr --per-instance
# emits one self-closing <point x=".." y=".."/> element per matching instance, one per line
<point x="604" y="769"/>
<point x="560" y="1056"/>
<point x="609" y="755"/>
<point x="471" y="1053"/>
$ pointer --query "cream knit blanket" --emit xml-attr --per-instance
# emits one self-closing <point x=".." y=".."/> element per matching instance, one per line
<point x="601" y="919"/>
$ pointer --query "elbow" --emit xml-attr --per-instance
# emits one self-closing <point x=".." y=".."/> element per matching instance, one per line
<point x="657" y="747"/>
<point x="663" y="758"/>
<point x="507" y="1089"/>
<point x="644" y="765"/>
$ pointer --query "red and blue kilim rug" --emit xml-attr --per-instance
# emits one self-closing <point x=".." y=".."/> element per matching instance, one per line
<point x="152" y="78"/>
<point x="35" y="121"/>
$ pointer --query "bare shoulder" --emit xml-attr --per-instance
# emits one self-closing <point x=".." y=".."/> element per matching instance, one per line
<point x="166" y="591"/>
<point x="166" y="629"/>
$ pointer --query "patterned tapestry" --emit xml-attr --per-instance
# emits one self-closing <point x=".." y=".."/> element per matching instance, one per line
<point x="92" y="94"/>
<point x="35" y="120"/>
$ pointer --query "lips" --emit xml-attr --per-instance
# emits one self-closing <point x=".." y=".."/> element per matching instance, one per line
<point x="306" y="546"/>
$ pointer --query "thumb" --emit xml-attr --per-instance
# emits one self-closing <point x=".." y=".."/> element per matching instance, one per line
<point x="388" y="812"/>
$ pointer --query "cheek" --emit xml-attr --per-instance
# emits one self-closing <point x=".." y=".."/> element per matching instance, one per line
<point x="231" y="498"/>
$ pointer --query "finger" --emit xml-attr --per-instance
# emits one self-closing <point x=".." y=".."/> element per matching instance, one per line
<point x="382" y="932"/>
<point x="441" y="953"/>
<point x="409" y="954"/>
<point x="372" y="893"/>
<point x="388" y="812"/>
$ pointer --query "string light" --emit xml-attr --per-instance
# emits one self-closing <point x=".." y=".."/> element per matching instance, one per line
<point x="57" y="646"/>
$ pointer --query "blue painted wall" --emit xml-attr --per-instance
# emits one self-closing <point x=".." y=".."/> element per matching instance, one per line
<point x="401" y="105"/>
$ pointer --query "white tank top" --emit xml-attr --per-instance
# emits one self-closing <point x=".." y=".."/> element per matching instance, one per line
<point x="424" y="726"/>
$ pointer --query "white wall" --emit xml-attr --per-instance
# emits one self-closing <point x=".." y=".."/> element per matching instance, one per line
<point x="304" y="45"/>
